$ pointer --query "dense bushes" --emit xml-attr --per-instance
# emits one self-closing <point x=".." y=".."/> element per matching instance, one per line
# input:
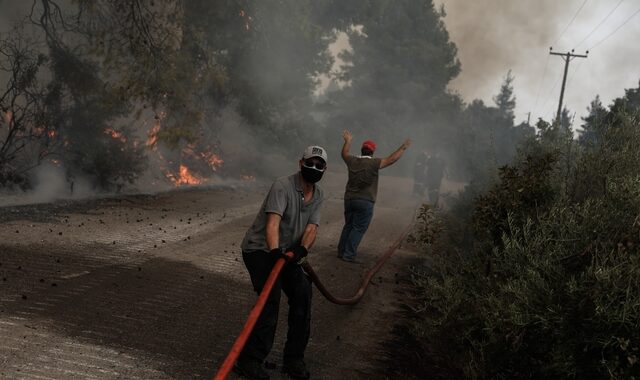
<point x="548" y="285"/>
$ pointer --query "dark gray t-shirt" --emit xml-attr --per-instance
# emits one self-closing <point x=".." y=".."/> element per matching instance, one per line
<point x="363" y="178"/>
<point x="285" y="199"/>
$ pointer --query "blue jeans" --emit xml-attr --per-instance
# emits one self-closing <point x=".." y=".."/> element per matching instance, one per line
<point x="357" y="216"/>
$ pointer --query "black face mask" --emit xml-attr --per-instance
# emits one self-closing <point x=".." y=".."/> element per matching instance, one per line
<point x="311" y="175"/>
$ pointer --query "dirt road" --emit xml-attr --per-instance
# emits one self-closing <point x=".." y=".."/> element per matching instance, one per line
<point x="153" y="287"/>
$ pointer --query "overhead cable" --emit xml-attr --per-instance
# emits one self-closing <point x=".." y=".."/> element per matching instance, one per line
<point x="615" y="30"/>
<point x="600" y="24"/>
<point x="544" y="73"/>
<point x="570" y="22"/>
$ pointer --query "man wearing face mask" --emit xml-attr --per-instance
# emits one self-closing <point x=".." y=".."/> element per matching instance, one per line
<point x="360" y="193"/>
<point x="287" y="221"/>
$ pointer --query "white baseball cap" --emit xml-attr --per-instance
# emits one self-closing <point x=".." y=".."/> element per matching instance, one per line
<point x="315" y="151"/>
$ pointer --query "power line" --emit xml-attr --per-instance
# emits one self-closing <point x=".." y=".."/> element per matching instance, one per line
<point x="570" y="22"/>
<point x="573" y="74"/>
<point x="544" y="73"/>
<point x="549" y="109"/>
<point x="615" y="30"/>
<point x="600" y="24"/>
<point x="555" y="84"/>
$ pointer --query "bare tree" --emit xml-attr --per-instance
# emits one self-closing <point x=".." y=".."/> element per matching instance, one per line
<point x="25" y="135"/>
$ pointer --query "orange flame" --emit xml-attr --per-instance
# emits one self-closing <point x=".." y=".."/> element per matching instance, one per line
<point x="115" y="134"/>
<point x="198" y="156"/>
<point x="184" y="177"/>
<point x="213" y="160"/>
<point x="41" y="131"/>
<point x="8" y="117"/>
<point x="152" y="136"/>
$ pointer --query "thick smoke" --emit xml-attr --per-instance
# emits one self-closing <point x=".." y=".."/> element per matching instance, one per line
<point x="494" y="36"/>
<point x="50" y="183"/>
<point x="255" y="108"/>
<point x="245" y="153"/>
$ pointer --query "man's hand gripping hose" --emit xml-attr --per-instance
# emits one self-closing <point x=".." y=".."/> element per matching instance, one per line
<point x="293" y="256"/>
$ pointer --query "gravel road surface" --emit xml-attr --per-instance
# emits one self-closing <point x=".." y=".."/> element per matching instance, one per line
<point x="153" y="286"/>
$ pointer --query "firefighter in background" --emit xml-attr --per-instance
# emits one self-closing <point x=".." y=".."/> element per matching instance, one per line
<point x="435" y="170"/>
<point x="361" y="192"/>
<point x="420" y="174"/>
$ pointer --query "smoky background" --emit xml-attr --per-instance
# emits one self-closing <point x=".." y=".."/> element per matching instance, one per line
<point x="195" y="93"/>
<point x="494" y="36"/>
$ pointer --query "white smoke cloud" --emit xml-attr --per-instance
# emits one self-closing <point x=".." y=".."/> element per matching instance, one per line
<point x="49" y="183"/>
<point x="494" y="36"/>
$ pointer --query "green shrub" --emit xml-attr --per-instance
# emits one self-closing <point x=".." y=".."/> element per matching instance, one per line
<point x="550" y="286"/>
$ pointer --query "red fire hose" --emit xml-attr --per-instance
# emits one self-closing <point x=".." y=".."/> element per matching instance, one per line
<point x="365" y="282"/>
<point x="238" y="345"/>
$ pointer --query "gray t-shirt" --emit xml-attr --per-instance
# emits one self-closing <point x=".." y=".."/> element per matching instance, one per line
<point x="285" y="199"/>
<point x="363" y="178"/>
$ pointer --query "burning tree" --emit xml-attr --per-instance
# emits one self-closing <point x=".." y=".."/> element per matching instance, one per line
<point x="26" y="137"/>
<point x="126" y="61"/>
<point x="88" y="114"/>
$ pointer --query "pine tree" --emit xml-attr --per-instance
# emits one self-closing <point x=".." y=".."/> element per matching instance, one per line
<point x="397" y="74"/>
<point x="505" y="100"/>
<point x="594" y="124"/>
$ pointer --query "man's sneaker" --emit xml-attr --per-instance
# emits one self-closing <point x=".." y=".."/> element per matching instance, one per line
<point x="250" y="369"/>
<point x="350" y="260"/>
<point x="296" y="369"/>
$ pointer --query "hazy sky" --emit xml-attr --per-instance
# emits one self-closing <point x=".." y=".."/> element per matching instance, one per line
<point x="494" y="36"/>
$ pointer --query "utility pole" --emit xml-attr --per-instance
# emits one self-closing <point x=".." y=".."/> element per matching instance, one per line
<point x="568" y="56"/>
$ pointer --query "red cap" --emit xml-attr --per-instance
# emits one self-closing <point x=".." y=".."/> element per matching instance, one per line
<point x="369" y="144"/>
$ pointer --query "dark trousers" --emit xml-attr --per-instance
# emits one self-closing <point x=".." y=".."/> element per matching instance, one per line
<point x="297" y="287"/>
<point x="433" y="186"/>
<point x="357" y="217"/>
